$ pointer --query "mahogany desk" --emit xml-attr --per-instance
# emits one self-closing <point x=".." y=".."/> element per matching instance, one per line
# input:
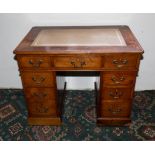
<point x="112" y="51"/>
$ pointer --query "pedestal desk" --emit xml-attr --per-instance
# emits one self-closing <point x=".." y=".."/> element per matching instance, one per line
<point x="111" y="51"/>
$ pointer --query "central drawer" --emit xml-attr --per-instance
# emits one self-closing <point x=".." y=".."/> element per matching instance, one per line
<point x="78" y="62"/>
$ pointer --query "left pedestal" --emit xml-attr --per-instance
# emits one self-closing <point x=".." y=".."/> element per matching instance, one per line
<point x="40" y="89"/>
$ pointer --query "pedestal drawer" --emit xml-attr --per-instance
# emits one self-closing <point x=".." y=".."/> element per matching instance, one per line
<point x="119" y="78"/>
<point x="40" y="94"/>
<point x="42" y="108"/>
<point x="38" y="79"/>
<point x="110" y="93"/>
<point x="115" y="108"/>
<point x="41" y="101"/>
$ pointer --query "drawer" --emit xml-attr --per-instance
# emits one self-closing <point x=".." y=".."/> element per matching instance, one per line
<point x="119" y="78"/>
<point x="38" y="79"/>
<point x="42" y="108"/>
<point x="109" y="93"/>
<point x="37" y="62"/>
<point x="121" y="61"/>
<point x="40" y="94"/>
<point x="41" y="101"/>
<point x="116" y="109"/>
<point x="77" y="62"/>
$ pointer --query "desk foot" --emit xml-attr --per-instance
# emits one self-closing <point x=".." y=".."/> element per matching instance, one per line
<point x="44" y="121"/>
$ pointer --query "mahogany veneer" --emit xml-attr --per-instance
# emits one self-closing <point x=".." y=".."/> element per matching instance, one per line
<point x="113" y="51"/>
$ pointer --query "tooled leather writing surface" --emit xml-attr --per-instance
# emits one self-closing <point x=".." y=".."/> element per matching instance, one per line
<point x="79" y="37"/>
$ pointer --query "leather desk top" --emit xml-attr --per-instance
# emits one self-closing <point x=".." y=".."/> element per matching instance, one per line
<point x="79" y="37"/>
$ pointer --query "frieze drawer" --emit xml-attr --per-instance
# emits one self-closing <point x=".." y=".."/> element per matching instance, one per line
<point x="78" y="62"/>
<point x="34" y="62"/>
<point x="121" y="61"/>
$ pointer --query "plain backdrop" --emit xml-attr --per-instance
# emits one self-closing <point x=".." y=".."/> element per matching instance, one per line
<point x="13" y="27"/>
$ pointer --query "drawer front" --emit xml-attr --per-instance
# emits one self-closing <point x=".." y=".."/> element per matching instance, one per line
<point x="40" y="94"/>
<point x="39" y="79"/>
<point x="117" y="78"/>
<point x="37" y="62"/>
<point x="121" y="61"/>
<point x="42" y="108"/>
<point x="116" y="109"/>
<point x="116" y="93"/>
<point x="77" y="62"/>
<point x="41" y="101"/>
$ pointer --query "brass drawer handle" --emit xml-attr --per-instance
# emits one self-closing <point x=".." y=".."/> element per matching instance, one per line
<point x="40" y="95"/>
<point x="117" y="80"/>
<point x="124" y="61"/>
<point x="116" y="94"/>
<point x="78" y="65"/>
<point x="115" y="111"/>
<point x="120" y="62"/>
<point x="36" y="63"/>
<point x="41" y="108"/>
<point x="38" y="80"/>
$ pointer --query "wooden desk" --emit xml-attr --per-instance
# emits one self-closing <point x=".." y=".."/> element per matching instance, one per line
<point x="112" y="51"/>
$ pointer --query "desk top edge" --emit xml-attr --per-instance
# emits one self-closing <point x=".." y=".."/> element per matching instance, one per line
<point x="25" y="47"/>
